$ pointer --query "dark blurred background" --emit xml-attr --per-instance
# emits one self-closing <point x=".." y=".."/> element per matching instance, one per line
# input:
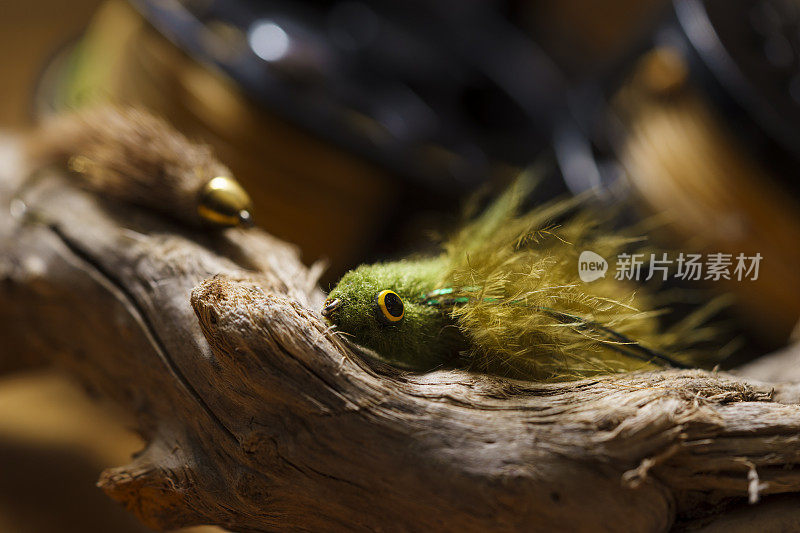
<point x="360" y="128"/>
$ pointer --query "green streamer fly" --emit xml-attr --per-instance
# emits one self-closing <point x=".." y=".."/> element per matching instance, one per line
<point x="504" y="297"/>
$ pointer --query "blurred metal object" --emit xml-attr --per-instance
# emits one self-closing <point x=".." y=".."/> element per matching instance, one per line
<point x="387" y="81"/>
<point x="699" y="126"/>
<point x="742" y="55"/>
<point x="747" y="54"/>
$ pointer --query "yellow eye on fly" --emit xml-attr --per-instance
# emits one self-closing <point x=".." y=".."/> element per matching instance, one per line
<point x="390" y="307"/>
<point x="223" y="202"/>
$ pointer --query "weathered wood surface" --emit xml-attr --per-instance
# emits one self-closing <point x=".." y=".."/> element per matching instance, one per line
<point x="258" y="418"/>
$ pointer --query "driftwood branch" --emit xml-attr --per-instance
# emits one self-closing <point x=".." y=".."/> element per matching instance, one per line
<point x="257" y="418"/>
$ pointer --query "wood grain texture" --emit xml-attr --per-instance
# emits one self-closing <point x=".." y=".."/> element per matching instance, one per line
<point x="258" y="418"/>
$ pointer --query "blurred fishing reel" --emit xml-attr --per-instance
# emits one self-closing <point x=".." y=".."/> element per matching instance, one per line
<point x="437" y="92"/>
<point x="700" y="125"/>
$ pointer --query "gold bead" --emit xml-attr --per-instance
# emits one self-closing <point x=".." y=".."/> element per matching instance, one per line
<point x="223" y="202"/>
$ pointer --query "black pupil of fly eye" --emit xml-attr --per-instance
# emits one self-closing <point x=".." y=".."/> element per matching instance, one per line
<point x="393" y="304"/>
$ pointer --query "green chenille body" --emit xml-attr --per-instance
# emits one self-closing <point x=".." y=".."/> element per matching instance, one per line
<point x="504" y="297"/>
<point x="428" y="334"/>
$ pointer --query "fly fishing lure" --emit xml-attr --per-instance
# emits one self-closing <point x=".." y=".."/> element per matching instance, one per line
<point x="503" y="298"/>
<point x="131" y="156"/>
